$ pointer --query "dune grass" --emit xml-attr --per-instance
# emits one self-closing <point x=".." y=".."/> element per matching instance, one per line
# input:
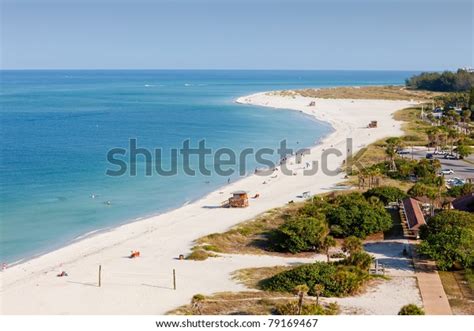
<point x="251" y="277"/>
<point x="413" y="127"/>
<point x="364" y="92"/>
<point x="250" y="237"/>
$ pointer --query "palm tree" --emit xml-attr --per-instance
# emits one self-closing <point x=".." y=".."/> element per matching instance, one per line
<point x="405" y="170"/>
<point x="391" y="152"/>
<point x="466" y="119"/>
<point x="352" y="245"/>
<point x="196" y="303"/>
<point x="433" y="136"/>
<point x="362" y="177"/>
<point x="327" y="243"/>
<point x="375" y="175"/>
<point x="436" y="164"/>
<point x="393" y="144"/>
<point x="432" y="195"/>
<point x="440" y="183"/>
<point x="301" y="291"/>
<point x="318" y="289"/>
<point x="453" y="135"/>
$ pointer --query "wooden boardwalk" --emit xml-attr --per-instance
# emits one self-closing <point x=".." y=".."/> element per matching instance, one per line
<point x="434" y="298"/>
<point x="435" y="301"/>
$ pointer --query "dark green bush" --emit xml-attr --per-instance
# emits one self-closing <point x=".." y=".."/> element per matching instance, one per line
<point x="449" y="239"/>
<point x="316" y="208"/>
<point x="338" y="280"/>
<point x="354" y="215"/>
<point x="361" y="260"/>
<point x="300" y="234"/>
<point x="291" y="308"/>
<point x="386" y="194"/>
<point x="459" y="191"/>
<point x="411" y="309"/>
<point x="420" y="189"/>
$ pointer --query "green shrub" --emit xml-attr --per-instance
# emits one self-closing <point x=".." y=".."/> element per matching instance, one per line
<point x="299" y="234"/>
<point x="338" y="255"/>
<point x="291" y="308"/>
<point x="352" y="245"/>
<point x="316" y="208"/>
<point x="449" y="239"/>
<point x="338" y="280"/>
<point x="426" y="170"/>
<point x="420" y="189"/>
<point x="199" y="255"/>
<point x="459" y="191"/>
<point x="411" y="309"/>
<point x="386" y="194"/>
<point x="354" y="215"/>
<point x="212" y="248"/>
<point x="361" y="260"/>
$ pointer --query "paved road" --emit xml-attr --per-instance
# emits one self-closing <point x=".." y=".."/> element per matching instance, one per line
<point x="462" y="169"/>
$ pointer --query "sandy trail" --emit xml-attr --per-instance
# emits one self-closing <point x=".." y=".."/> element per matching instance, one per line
<point x="142" y="286"/>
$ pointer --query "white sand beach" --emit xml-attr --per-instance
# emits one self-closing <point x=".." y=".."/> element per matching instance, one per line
<point x="144" y="285"/>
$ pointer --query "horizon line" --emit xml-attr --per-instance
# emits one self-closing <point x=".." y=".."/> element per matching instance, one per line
<point x="216" y="69"/>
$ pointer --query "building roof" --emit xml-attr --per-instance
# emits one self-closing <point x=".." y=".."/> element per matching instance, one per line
<point x="413" y="212"/>
<point x="239" y="192"/>
<point x="464" y="203"/>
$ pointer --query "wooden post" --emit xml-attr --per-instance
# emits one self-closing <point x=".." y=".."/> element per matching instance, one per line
<point x="100" y="275"/>
<point x="174" y="279"/>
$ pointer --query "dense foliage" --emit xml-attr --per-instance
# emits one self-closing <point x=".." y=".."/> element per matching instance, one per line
<point x="420" y="190"/>
<point x="411" y="309"/>
<point x="424" y="170"/>
<point x="291" y="308"/>
<point x="386" y="194"/>
<point x="354" y="215"/>
<point x="443" y="82"/>
<point x="459" y="191"/>
<point x="449" y="239"/>
<point x="338" y="280"/>
<point x="360" y="259"/>
<point x="301" y="233"/>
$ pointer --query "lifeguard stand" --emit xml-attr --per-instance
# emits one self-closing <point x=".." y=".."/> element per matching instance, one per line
<point x="372" y="124"/>
<point x="239" y="199"/>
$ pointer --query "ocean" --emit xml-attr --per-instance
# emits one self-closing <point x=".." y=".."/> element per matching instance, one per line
<point x="58" y="126"/>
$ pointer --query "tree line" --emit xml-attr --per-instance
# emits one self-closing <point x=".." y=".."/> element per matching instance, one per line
<point x="446" y="81"/>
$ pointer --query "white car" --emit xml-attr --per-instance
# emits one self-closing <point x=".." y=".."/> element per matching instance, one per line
<point x="447" y="171"/>
<point x="455" y="182"/>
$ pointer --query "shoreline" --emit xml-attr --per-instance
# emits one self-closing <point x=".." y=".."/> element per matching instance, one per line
<point x="96" y="232"/>
<point x="200" y="217"/>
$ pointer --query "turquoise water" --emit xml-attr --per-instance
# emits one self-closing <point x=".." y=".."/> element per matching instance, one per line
<point x="57" y="126"/>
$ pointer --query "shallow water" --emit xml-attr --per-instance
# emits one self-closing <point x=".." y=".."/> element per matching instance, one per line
<point x="57" y="127"/>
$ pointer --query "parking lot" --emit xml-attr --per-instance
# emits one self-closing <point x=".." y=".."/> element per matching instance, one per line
<point x="463" y="169"/>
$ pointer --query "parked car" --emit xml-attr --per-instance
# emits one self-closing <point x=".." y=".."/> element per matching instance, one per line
<point x="447" y="171"/>
<point x="455" y="182"/>
<point x="403" y="151"/>
<point x="450" y="157"/>
<point x="439" y="152"/>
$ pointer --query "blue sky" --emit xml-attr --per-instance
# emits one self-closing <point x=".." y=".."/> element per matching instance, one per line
<point x="231" y="34"/>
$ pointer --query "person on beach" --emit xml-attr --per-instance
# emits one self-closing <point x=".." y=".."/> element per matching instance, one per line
<point x="134" y="254"/>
